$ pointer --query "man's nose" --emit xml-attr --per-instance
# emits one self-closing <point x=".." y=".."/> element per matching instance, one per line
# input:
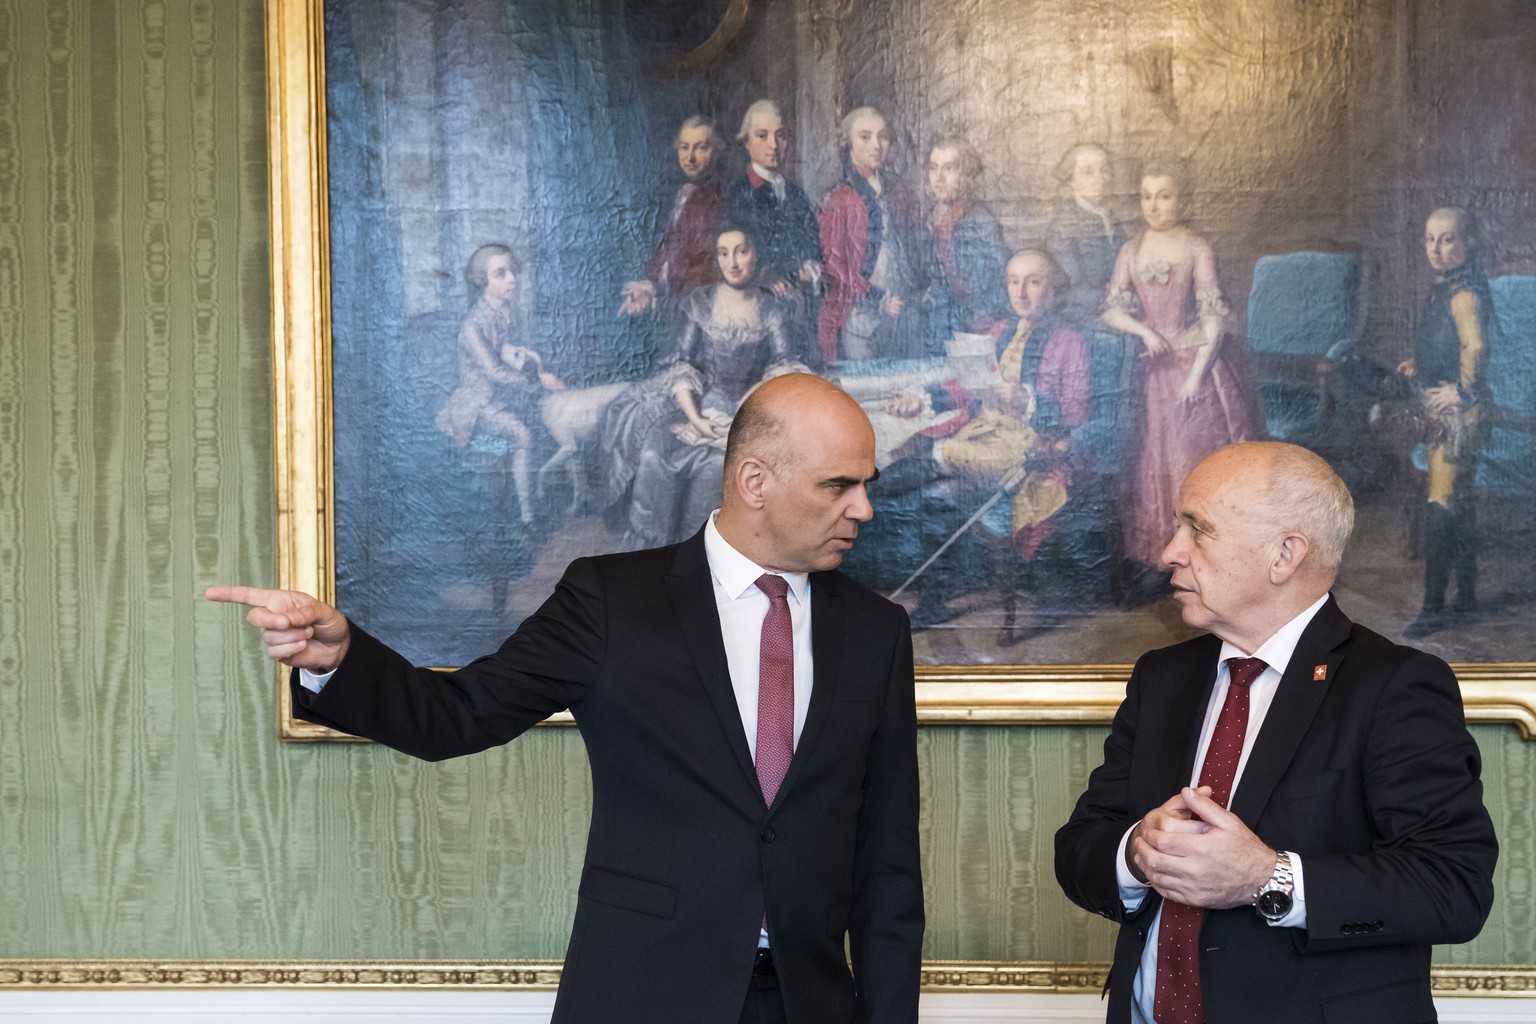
<point x="861" y="510"/>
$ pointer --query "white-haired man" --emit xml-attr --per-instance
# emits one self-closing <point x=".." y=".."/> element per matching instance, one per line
<point x="867" y="236"/>
<point x="773" y="209"/>
<point x="1289" y="814"/>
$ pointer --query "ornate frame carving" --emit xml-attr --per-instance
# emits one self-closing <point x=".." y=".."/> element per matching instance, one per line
<point x="1034" y="976"/>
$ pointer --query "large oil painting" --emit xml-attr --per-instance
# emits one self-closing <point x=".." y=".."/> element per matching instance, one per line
<point x="1059" y="251"/>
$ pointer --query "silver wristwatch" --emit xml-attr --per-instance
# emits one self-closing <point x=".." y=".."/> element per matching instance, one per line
<point x="1274" y="899"/>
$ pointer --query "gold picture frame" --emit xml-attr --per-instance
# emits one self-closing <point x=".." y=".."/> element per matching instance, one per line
<point x="302" y="424"/>
<point x="1037" y="977"/>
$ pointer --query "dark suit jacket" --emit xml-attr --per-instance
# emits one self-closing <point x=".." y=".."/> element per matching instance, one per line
<point x="683" y="858"/>
<point x="786" y="232"/>
<point x="1369" y="775"/>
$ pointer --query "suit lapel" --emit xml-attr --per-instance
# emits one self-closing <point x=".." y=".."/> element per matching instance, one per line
<point x="693" y="598"/>
<point x="827" y="633"/>
<point x="1296" y="703"/>
<point x="1188" y="696"/>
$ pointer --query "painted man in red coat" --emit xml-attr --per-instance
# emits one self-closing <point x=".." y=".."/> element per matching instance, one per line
<point x="685" y="257"/>
<point x="866" y="236"/>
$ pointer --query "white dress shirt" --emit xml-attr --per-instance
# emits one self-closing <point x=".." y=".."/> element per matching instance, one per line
<point x="742" y="610"/>
<point x="1276" y="655"/>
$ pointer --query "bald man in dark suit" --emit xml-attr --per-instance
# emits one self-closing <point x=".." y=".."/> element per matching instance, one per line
<point x="736" y="841"/>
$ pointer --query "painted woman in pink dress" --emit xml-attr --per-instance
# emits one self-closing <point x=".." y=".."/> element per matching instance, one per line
<point x="1194" y="396"/>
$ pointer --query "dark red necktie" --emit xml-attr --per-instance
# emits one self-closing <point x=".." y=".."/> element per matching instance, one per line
<point x="1177" y="999"/>
<point x="775" y="688"/>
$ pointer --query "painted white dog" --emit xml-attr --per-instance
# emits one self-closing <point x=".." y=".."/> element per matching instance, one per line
<point x="573" y="417"/>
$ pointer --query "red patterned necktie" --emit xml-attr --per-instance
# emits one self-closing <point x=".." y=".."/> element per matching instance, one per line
<point x="1177" y="999"/>
<point x="775" y="688"/>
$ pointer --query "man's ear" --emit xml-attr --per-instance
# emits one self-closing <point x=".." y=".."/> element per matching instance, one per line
<point x="750" y="478"/>
<point x="1289" y="554"/>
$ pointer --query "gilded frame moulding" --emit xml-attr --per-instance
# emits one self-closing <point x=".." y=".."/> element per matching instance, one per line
<point x="1026" y="976"/>
<point x="302" y="424"/>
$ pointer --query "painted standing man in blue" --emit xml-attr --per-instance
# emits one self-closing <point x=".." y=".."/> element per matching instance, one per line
<point x="1084" y="234"/>
<point x="967" y="253"/>
<point x="1449" y="364"/>
<point x="776" y="212"/>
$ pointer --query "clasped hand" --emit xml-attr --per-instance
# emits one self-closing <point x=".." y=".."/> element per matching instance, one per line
<point x="1194" y="851"/>
<point x="299" y="631"/>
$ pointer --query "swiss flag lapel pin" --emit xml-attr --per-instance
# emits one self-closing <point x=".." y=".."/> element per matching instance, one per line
<point x="1320" y="672"/>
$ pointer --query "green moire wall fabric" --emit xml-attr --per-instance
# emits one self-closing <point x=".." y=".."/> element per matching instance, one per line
<point x="146" y="808"/>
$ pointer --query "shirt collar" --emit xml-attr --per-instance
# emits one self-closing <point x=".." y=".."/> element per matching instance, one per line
<point x="736" y="573"/>
<point x="1277" y="650"/>
<point x="760" y="174"/>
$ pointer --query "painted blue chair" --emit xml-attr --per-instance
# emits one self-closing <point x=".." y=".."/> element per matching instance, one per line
<point x="1508" y="461"/>
<point x="1303" y="321"/>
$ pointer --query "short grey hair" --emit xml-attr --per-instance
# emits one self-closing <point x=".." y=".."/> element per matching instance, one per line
<point x="757" y="431"/>
<point x="1466" y="226"/>
<point x="1058" y="277"/>
<point x="845" y="137"/>
<point x="756" y="110"/>
<point x="700" y="121"/>
<point x="1304" y="494"/>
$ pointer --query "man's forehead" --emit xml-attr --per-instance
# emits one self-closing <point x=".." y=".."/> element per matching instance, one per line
<point x="1220" y="490"/>
<point x="1025" y="265"/>
<point x="831" y="440"/>
<point x="767" y="122"/>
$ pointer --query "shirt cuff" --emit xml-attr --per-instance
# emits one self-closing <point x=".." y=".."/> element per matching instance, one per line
<point x="1297" y="918"/>
<point x="314" y="682"/>
<point x="1132" y="891"/>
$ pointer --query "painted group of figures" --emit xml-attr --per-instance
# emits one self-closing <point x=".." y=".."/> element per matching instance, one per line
<point x="874" y="286"/>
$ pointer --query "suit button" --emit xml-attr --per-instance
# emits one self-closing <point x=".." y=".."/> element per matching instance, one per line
<point x="768" y="835"/>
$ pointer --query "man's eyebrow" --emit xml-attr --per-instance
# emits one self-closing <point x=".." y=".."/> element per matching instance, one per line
<point x="851" y="481"/>
<point x="1195" y="520"/>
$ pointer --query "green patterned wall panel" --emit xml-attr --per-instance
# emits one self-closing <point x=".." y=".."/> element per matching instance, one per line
<point x="146" y="809"/>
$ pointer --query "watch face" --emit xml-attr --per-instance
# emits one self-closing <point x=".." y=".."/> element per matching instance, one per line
<point x="1274" y="904"/>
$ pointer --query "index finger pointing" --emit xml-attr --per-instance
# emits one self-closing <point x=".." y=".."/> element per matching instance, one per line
<point x="253" y="596"/>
